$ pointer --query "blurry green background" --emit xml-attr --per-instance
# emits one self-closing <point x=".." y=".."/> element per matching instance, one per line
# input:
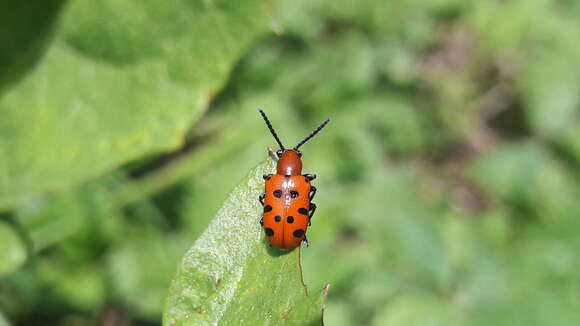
<point x="449" y="177"/>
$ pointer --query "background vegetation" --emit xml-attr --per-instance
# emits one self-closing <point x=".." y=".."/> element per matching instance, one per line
<point x="448" y="179"/>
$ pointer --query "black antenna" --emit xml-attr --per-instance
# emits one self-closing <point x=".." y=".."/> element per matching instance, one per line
<point x="271" y="129"/>
<point x="312" y="134"/>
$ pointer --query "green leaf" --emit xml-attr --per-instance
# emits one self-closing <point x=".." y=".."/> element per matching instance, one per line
<point x="12" y="250"/>
<point x="551" y="111"/>
<point x="122" y="80"/>
<point x="231" y="276"/>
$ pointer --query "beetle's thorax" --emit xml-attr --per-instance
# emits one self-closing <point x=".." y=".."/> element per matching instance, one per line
<point x="289" y="163"/>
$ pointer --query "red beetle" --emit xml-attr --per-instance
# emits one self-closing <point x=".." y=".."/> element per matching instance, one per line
<point x="287" y="198"/>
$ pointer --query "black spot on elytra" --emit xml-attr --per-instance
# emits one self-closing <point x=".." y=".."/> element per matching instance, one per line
<point x="277" y="218"/>
<point x="277" y="193"/>
<point x="298" y="233"/>
<point x="290" y="219"/>
<point x="303" y="211"/>
<point x="294" y="194"/>
<point x="267" y="208"/>
<point x="269" y="232"/>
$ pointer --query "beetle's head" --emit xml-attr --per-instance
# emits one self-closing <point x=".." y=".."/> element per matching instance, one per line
<point x="289" y="162"/>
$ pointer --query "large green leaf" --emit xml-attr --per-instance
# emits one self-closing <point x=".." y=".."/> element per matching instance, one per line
<point x="121" y="80"/>
<point x="232" y="276"/>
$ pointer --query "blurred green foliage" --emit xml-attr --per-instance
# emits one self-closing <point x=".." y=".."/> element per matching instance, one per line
<point x="448" y="178"/>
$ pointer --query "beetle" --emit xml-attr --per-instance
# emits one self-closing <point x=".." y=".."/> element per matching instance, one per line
<point x="287" y="197"/>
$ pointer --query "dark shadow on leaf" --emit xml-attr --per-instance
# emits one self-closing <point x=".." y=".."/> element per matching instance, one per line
<point x="26" y="29"/>
<point x="316" y="322"/>
<point x="275" y="252"/>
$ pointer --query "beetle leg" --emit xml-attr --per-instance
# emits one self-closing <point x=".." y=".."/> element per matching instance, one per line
<point x="309" y="176"/>
<point x="305" y="240"/>
<point x="261" y="199"/>
<point x="312" y="192"/>
<point x="312" y="210"/>
<point x="267" y="176"/>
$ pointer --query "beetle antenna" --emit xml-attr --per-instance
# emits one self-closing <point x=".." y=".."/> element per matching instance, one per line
<point x="312" y="134"/>
<point x="271" y="129"/>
